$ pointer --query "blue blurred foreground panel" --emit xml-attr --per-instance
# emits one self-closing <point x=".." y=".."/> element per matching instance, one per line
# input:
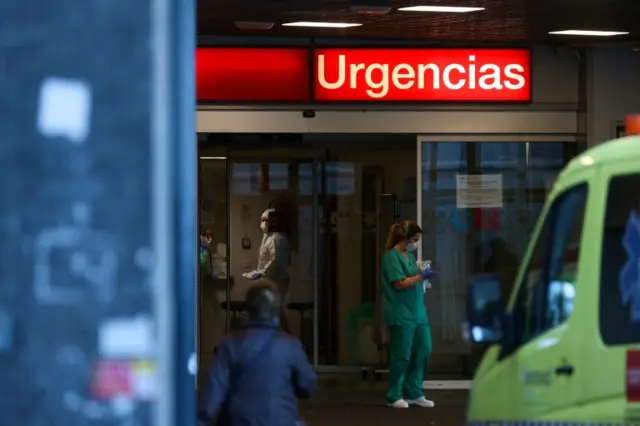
<point x="95" y="305"/>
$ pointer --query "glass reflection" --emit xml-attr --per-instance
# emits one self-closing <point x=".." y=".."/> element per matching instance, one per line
<point x="251" y="179"/>
<point x="278" y="177"/>
<point x="340" y="178"/>
<point x="465" y="241"/>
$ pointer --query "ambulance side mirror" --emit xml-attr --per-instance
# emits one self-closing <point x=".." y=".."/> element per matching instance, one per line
<point x="485" y="309"/>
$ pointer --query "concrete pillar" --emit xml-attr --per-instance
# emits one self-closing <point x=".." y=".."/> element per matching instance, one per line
<point x="613" y="90"/>
<point x="97" y="211"/>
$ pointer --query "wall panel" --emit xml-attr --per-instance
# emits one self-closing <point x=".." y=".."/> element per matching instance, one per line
<point x="428" y="122"/>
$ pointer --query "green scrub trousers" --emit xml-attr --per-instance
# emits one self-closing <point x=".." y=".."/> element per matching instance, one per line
<point x="410" y="335"/>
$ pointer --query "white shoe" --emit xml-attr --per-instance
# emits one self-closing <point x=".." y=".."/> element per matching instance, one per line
<point x="421" y="402"/>
<point x="401" y="403"/>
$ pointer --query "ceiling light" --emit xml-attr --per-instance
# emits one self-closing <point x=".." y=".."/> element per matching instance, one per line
<point x="321" y="24"/>
<point x="370" y="10"/>
<point x="441" y="9"/>
<point x="589" y="33"/>
<point x="213" y="158"/>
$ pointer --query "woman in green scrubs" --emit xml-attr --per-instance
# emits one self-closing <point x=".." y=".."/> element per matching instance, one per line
<point x="406" y="316"/>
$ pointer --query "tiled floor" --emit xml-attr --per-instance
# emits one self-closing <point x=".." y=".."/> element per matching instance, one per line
<point x="362" y="403"/>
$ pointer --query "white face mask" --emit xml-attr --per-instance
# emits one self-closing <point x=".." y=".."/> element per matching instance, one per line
<point x="264" y="226"/>
<point x="412" y="246"/>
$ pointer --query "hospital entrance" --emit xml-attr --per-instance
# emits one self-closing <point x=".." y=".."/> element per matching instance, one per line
<point x="336" y="196"/>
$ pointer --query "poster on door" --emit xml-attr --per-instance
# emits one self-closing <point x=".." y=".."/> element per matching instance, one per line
<point x="479" y="191"/>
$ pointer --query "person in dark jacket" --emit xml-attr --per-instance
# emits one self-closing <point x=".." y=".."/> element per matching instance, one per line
<point x="258" y="372"/>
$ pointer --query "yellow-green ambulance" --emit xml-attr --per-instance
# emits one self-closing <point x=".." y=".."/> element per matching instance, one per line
<point x="565" y="347"/>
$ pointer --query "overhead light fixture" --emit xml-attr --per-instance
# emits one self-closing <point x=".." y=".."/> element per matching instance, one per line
<point x="441" y="9"/>
<point x="370" y="10"/>
<point x="321" y="24"/>
<point x="589" y="33"/>
<point x="213" y="158"/>
<point x="254" y="25"/>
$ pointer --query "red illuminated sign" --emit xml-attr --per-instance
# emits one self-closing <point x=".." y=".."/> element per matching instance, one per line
<point x="422" y="75"/>
<point x="364" y="75"/>
<point x="252" y="75"/>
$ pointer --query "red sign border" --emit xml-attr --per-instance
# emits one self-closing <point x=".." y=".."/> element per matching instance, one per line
<point x="312" y="79"/>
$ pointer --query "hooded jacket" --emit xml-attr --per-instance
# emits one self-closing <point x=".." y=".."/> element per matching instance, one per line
<point x="256" y="377"/>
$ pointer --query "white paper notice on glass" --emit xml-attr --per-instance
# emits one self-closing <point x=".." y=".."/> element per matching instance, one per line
<point x="479" y="191"/>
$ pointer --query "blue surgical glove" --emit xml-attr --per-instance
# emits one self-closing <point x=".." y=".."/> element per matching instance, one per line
<point x="427" y="274"/>
<point x="204" y="243"/>
<point x="257" y="276"/>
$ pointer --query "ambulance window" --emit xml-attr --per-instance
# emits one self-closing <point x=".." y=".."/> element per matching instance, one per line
<point x="620" y="266"/>
<point x="546" y="296"/>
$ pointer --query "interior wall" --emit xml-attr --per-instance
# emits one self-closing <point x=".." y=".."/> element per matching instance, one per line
<point x="554" y="75"/>
<point x="613" y="90"/>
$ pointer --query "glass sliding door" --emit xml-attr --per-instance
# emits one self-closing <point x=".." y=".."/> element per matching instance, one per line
<point x="269" y="176"/>
<point x="447" y="243"/>
<point x="280" y="182"/>
<point x="213" y="281"/>
<point x="478" y="205"/>
<point x="354" y="174"/>
<point x="280" y="172"/>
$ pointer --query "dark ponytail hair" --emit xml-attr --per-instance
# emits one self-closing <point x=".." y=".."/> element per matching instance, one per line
<point x="401" y="232"/>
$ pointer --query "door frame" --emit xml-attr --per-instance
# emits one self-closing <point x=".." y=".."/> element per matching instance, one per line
<point x="319" y="176"/>
<point x="422" y="139"/>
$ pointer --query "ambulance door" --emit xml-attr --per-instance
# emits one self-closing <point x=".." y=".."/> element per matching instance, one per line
<point x="613" y="328"/>
<point x="546" y="330"/>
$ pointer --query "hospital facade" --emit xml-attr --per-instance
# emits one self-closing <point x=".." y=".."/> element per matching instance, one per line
<point x="348" y="139"/>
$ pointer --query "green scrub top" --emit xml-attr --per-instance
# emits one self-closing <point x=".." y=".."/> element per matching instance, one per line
<point x="406" y="306"/>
